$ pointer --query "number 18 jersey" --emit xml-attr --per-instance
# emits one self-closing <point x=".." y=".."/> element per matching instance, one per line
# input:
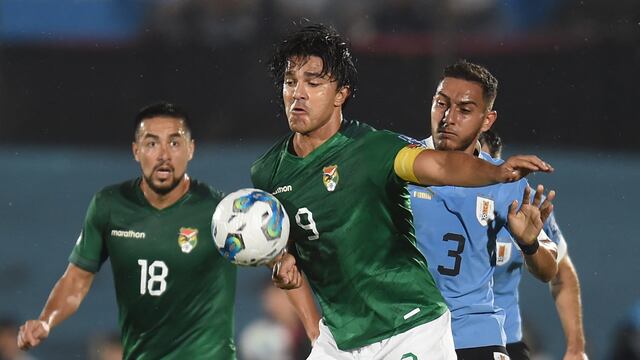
<point x="175" y="292"/>
<point x="353" y="233"/>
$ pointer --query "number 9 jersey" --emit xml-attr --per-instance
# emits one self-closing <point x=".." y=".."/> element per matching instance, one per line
<point x="175" y="292"/>
<point x="352" y="233"/>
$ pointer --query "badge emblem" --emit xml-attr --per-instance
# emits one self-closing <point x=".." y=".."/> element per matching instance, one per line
<point x="484" y="210"/>
<point x="330" y="177"/>
<point x="503" y="253"/>
<point x="188" y="239"/>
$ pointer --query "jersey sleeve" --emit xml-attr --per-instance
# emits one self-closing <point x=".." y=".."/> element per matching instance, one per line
<point x="259" y="177"/>
<point x="90" y="251"/>
<point x="554" y="233"/>
<point x="262" y="170"/>
<point x="393" y="152"/>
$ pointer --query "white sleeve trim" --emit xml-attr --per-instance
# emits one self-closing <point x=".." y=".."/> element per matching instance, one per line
<point x="560" y="249"/>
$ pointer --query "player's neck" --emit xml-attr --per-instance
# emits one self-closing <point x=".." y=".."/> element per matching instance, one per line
<point x="305" y="144"/>
<point x="473" y="148"/>
<point x="162" y="201"/>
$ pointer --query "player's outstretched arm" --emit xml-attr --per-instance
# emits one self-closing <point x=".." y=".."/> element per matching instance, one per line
<point x="525" y="225"/>
<point x="432" y="167"/>
<point x="302" y="300"/>
<point x="565" y="288"/>
<point x="64" y="300"/>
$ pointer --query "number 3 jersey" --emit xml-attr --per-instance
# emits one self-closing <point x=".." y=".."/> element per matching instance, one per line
<point x="456" y="230"/>
<point x="353" y="233"/>
<point x="175" y="292"/>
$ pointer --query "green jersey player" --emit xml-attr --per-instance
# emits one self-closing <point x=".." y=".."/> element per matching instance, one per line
<point x="175" y="292"/>
<point x="344" y="185"/>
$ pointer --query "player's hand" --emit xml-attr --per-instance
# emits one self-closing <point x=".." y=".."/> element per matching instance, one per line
<point x="285" y="273"/>
<point x="579" y="355"/>
<point x="32" y="333"/>
<point x="526" y="223"/>
<point x="547" y="205"/>
<point x="519" y="166"/>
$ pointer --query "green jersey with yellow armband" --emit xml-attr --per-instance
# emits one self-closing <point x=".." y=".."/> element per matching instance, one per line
<point x="353" y="232"/>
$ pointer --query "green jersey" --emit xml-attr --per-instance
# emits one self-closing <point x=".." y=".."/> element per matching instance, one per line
<point x="353" y="233"/>
<point x="175" y="292"/>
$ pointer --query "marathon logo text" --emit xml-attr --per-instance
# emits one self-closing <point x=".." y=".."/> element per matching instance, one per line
<point x="283" y="189"/>
<point x="128" y="234"/>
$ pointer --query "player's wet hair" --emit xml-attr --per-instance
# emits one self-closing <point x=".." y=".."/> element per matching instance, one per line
<point x="469" y="71"/>
<point x="321" y="41"/>
<point x="161" y="109"/>
<point x="493" y="141"/>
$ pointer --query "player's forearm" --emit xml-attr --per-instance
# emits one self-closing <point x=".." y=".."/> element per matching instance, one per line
<point x="302" y="300"/>
<point x="454" y="168"/>
<point x="542" y="264"/>
<point x="565" y="288"/>
<point x="66" y="296"/>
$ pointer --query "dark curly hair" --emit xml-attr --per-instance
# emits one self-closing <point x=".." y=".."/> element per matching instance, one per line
<point x="321" y="41"/>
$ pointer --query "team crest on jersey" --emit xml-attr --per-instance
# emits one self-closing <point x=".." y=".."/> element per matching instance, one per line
<point x="484" y="210"/>
<point x="330" y="177"/>
<point x="500" y="356"/>
<point x="188" y="239"/>
<point x="503" y="252"/>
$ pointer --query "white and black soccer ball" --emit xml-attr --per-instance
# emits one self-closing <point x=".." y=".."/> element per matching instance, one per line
<point x="250" y="227"/>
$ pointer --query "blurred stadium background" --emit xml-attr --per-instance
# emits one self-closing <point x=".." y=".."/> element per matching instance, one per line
<point x="74" y="72"/>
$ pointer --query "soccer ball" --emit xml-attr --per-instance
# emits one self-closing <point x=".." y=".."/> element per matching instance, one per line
<point x="250" y="227"/>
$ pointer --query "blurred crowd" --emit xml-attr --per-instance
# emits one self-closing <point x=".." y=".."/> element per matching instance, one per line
<point x="231" y="21"/>
<point x="220" y="22"/>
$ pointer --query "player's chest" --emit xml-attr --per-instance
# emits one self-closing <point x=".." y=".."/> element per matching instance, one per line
<point x="322" y="181"/>
<point x="158" y="237"/>
<point x="474" y="209"/>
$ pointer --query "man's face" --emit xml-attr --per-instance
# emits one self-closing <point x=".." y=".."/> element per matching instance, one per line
<point x="459" y="114"/>
<point x="163" y="148"/>
<point x="309" y="100"/>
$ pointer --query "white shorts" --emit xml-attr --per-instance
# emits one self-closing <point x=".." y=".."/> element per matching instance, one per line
<point x="430" y="341"/>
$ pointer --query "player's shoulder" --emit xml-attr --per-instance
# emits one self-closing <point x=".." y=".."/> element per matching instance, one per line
<point x="487" y="157"/>
<point x="505" y="193"/>
<point x="377" y="138"/>
<point x="205" y="191"/>
<point x="355" y="129"/>
<point x="263" y="168"/>
<point x="271" y="154"/>
<point x="118" y="191"/>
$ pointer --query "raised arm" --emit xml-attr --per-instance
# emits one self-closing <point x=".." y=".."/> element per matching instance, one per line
<point x="525" y="224"/>
<point x="565" y="289"/>
<point x="64" y="300"/>
<point x="432" y="167"/>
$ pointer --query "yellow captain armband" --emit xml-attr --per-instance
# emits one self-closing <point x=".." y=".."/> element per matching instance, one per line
<point x="403" y="164"/>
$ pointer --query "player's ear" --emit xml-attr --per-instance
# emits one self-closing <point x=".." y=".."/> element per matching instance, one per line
<point x="192" y="148"/>
<point x="134" y="149"/>
<point x="489" y="119"/>
<point x="342" y="95"/>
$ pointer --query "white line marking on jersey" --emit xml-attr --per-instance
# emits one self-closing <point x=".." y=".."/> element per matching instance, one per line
<point x="411" y="313"/>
